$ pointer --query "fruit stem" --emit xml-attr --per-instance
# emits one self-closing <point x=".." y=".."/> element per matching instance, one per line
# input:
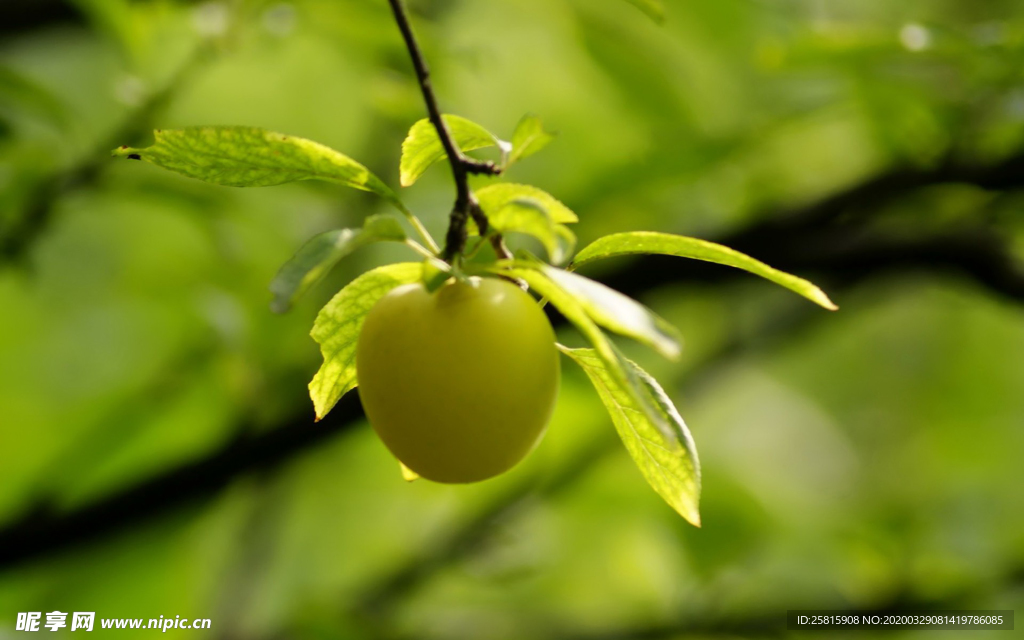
<point x="422" y="231"/>
<point x="466" y="205"/>
<point x="418" y="248"/>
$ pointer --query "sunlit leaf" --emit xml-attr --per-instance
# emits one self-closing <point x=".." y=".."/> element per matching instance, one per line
<point x="423" y="148"/>
<point x="337" y="327"/>
<point x="641" y="412"/>
<point x="251" y="157"/>
<point x="670" y="465"/>
<point x="318" y="256"/>
<point x="495" y="196"/>
<point x="528" y="138"/>
<point x="576" y="312"/>
<point x="649" y="425"/>
<point x="529" y="216"/>
<point x="573" y="311"/>
<point x="617" y="312"/>
<point x="635" y="242"/>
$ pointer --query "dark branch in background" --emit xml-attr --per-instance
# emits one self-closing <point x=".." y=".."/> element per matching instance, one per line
<point x="466" y="205"/>
<point x="1007" y="173"/>
<point x="42" y="531"/>
<point x="1000" y="175"/>
<point x="844" y="255"/>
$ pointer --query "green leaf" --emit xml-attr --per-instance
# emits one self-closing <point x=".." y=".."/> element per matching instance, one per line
<point x="318" y="256"/>
<point x="616" y="312"/>
<point x="634" y="242"/>
<point x="529" y="216"/>
<point x="251" y="157"/>
<point x="337" y="327"/>
<point x="571" y="308"/>
<point x="423" y="148"/>
<point x="528" y="138"/>
<point x="669" y="464"/>
<point x="654" y="9"/>
<point x="494" y="197"/>
<point x="576" y="313"/>
<point x="648" y="410"/>
<point x="649" y="425"/>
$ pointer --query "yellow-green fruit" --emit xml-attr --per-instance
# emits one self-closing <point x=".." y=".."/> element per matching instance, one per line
<point x="460" y="383"/>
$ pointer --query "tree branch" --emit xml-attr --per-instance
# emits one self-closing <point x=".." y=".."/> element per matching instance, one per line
<point x="466" y="205"/>
<point x="42" y="531"/>
<point x="1003" y="174"/>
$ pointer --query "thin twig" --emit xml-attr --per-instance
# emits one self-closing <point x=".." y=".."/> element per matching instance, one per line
<point x="466" y="205"/>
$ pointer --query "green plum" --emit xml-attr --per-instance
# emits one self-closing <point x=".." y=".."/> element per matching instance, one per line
<point x="460" y="383"/>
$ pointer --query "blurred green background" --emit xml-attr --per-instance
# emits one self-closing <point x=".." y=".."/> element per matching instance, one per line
<point x="157" y="449"/>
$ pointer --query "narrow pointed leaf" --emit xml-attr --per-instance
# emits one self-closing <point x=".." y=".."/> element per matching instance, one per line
<point x="337" y="327"/>
<point x="576" y="313"/>
<point x="649" y="426"/>
<point x="322" y="252"/>
<point x="528" y="138"/>
<point x="573" y="311"/>
<point x="529" y="216"/>
<point x="669" y="465"/>
<point x="617" y="312"/>
<point x="251" y="157"/>
<point x="423" y="148"/>
<point x="635" y="242"/>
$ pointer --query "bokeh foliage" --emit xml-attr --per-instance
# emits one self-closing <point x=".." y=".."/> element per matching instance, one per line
<point x="860" y="459"/>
